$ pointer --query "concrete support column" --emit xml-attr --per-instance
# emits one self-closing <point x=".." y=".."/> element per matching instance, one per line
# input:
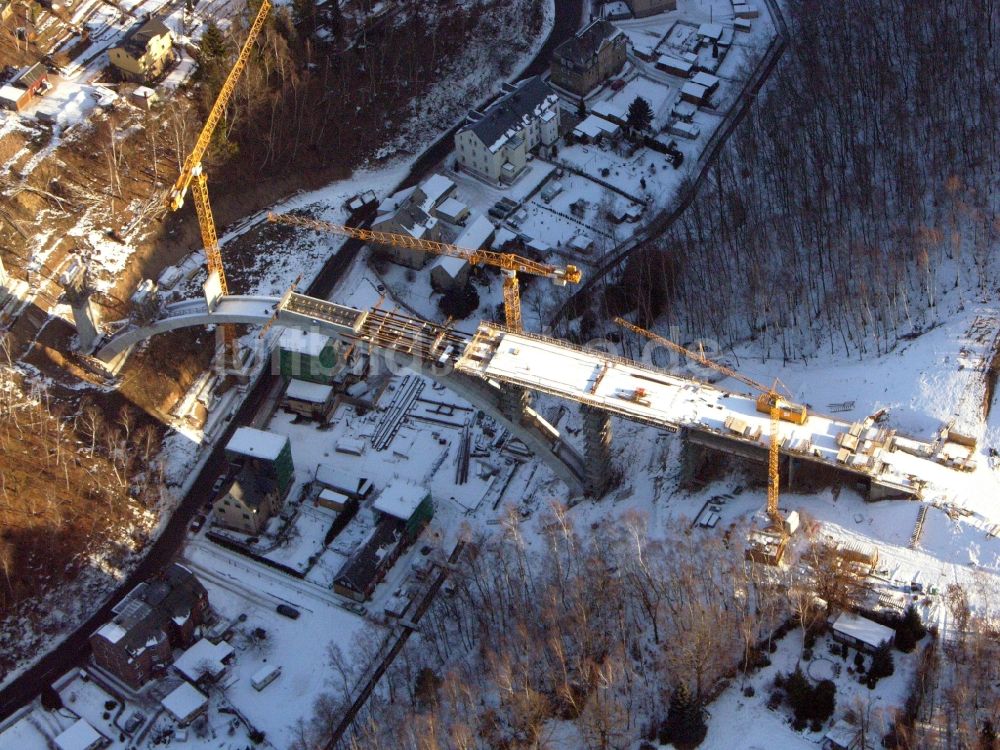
<point x="514" y="402"/>
<point x="596" y="449"/>
<point x="85" y="314"/>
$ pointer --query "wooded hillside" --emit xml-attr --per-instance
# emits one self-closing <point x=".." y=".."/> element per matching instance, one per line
<point x="857" y="192"/>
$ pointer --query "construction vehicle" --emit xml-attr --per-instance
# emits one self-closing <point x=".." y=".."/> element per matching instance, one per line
<point x="509" y="263"/>
<point x="193" y="176"/>
<point x="767" y="545"/>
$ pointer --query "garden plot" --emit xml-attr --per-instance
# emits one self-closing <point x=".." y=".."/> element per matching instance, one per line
<point x="556" y="223"/>
<point x="660" y="95"/>
<point x="629" y="173"/>
<point x="749" y="721"/>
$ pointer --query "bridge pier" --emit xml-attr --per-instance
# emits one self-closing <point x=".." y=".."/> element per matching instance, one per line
<point x="514" y="402"/>
<point x="596" y="450"/>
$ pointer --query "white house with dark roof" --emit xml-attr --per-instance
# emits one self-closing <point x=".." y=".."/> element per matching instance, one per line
<point x="494" y="144"/>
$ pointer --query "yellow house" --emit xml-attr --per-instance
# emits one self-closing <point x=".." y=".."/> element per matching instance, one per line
<point x="145" y="52"/>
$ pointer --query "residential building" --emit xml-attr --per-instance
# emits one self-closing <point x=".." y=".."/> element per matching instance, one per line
<point x="449" y="272"/>
<point x="408" y="502"/>
<point x="311" y="400"/>
<point x="585" y="61"/>
<point x="266" y="454"/>
<point x="144" y="52"/>
<point x="344" y="482"/>
<point x="363" y="571"/>
<point x="415" y="212"/>
<point x="494" y="144"/>
<point x="154" y="617"/>
<point x="860" y="632"/>
<point x="642" y="8"/>
<point x="307" y="355"/>
<point x="249" y="502"/>
<point x="405" y="213"/>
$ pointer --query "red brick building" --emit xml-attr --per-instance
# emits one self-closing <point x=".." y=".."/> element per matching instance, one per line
<point x="156" y="617"/>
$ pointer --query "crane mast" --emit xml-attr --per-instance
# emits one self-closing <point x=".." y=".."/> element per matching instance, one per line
<point x="769" y="402"/>
<point x="509" y="263"/>
<point x="192" y="175"/>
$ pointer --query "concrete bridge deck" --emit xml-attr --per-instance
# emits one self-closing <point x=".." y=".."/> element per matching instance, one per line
<point x="478" y="368"/>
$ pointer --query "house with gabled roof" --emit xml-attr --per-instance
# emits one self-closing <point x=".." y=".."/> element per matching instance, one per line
<point x="583" y="62"/>
<point x="494" y="144"/>
<point x="144" y="52"/>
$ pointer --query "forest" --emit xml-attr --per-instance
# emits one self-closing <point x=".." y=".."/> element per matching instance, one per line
<point x="857" y="199"/>
<point x="628" y="636"/>
<point x="79" y="496"/>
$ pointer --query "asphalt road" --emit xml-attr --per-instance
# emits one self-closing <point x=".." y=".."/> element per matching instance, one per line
<point x="74" y="649"/>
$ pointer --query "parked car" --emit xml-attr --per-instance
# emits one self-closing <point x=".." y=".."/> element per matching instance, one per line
<point x="134" y="721"/>
<point x="197" y="522"/>
<point x="287" y="611"/>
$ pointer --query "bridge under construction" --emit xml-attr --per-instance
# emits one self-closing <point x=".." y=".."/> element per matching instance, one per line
<point x="497" y="367"/>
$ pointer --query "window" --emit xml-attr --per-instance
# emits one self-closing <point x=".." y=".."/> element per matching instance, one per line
<point x="246" y="516"/>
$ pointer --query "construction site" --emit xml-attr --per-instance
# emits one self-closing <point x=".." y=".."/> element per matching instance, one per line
<point x="354" y="451"/>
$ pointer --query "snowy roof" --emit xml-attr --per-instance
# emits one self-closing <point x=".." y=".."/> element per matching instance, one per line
<point x="610" y="109"/>
<point x="183" y="702"/>
<point x="862" y="629"/>
<point x="581" y="242"/>
<point x="332" y="496"/>
<point x="476" y="234"/>
<point x="503" y="236"/>
<point x="511" y="112"/>
<point x="582" y="48"/>
<point x="314" y="393"/>
<point x="705" y="79"/>
<point x="669" y="61"/>
<point x="452" y="208"/>
<point x="204" y="657"/>
<point x="450" y="264"/>
<point x="303" y="342"/>
<point x="685" y="109"/>
<point x="249" y="441"/>
<point x="11" y="93"/>
<point x="710" y="30"/>
<point x="400" y="499"/>
<point x="588" y="127"/>
<point x="694" y="89"/>
<point x="394" y="201"/>
<point x="593" y="126"/>
<point x="112" y="631"/>
<point x="80" y="736"/>
<point x="435" y="187"/>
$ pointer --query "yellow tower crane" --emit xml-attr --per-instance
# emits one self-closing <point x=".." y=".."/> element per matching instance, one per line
<point x="769" y="402"/>
<point x="193" y="176"/>
<point x="509" y="263"/>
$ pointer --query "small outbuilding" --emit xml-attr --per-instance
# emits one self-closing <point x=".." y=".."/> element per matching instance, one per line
<point x="81" y="736"/>
<point x="694" y="93"/>
<point x="185" y="703"/>
<point x="312" y="400"/>
<point x="204" y="661"/>
<point x="452" y="210"/>
<point x="860" y="632"/>
<point x="675" y="66"/>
